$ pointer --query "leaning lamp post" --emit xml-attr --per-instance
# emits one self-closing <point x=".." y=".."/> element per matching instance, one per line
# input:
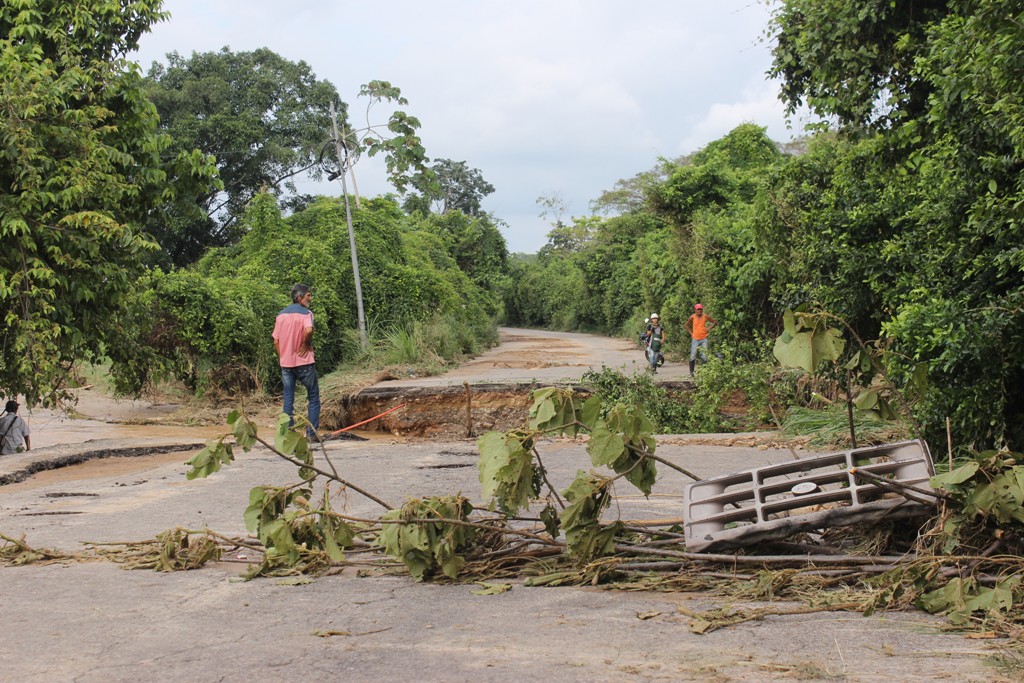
<point x="341" y="150"/>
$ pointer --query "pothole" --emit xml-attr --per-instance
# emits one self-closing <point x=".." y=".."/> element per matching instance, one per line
<point x="59" y="512"/>
<point x="63" y="494"/>
<point x="434" y="411"/>
<point x="449" y="466"/>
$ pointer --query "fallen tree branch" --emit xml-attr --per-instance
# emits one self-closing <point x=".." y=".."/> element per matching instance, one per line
<point x="300" y="463"/>
<point x="674" y="466"/>
<point x="770" y="559"/>
<point x="899" y="487"/>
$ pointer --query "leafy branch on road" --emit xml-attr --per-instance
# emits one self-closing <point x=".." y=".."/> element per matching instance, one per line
<point x="964" y="563"/>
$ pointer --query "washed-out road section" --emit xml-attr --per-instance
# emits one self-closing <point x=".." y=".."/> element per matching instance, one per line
<point x="97" y="622"/>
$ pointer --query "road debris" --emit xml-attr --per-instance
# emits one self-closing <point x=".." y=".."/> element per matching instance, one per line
<point x="834" y="489"/>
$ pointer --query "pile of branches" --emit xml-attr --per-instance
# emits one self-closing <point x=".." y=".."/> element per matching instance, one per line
<point x="962" y="557"/>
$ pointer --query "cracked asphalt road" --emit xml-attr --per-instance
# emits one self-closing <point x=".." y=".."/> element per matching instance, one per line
<point x="97" y="622"/>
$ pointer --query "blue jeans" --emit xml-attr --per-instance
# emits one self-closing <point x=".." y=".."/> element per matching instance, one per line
<point x="307" y="375"/>
<point x="696" y="344"/>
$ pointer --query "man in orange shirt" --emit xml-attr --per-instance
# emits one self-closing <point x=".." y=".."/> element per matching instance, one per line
<point x="699" y="325"/>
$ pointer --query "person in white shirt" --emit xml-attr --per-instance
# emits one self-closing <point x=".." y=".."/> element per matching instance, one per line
<point x="13" y="431"/>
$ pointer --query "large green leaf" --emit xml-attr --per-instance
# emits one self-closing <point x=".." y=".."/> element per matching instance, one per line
<point x="808" y="350"/>
<point x="544" y="408"/>
<point x="428" y="545"/>
<point x="788" y="325"/>
<point x="962" y="597"/>
<point x="243" y="429"/>
<point x="867" y="399"/>
<point x="506" y="469"/>
<point x="604" y="447"/>
<point x="555" y="410"/>
<point x="585" y="537"/>
<point x="956" y="476"/>
<point x="209" y="460"/>
<point x="254" y="511"/>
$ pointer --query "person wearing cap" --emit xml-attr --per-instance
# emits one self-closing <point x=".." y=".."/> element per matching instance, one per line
<point x="699" y="325"/>
<point x="13" y="431"/>
<point x="655" y="340"/>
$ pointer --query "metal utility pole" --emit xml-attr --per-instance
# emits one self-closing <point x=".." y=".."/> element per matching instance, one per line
<point x="342" y="153"/>
<point x="352" y="172"/>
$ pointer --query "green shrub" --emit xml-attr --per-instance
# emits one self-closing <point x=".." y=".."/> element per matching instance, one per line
<point x="668" y="412"/>
<point x="717" y="381"/>
<point x="211" y="325"/>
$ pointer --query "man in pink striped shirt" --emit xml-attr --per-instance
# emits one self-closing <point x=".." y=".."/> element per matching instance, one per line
<point x="293" y="341"/>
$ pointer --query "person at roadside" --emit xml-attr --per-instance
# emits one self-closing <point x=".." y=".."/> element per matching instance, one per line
<point x="655" y="340"/>
<point x="699" y="325"/>
<point x="293" y="341"/>
<point x="13" y="431"/>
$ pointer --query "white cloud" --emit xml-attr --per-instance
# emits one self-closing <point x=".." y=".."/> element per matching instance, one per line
<point x="542" y="95"/>
<point x="759" y="104"/>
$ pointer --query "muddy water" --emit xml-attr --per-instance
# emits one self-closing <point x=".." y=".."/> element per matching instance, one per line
<point x="117" y="424"/>
<point x="97" y="469"/>
<point x="55" y="432"/>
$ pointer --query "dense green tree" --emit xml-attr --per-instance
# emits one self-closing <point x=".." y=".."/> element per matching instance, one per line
<point x="83" y="167"/>
<point x="685" y="233"/>
<point x="941" y="83"/>
<point x="209" y="325"/>
<point x="265" y="119"/>
<point x="854" y="61"/>
<point x="824" y="219"/>
<point x="629" y="195"/>
<point x="450" y="186"/>
<point x="477" y="246"/>
<point x="565" y="239"/>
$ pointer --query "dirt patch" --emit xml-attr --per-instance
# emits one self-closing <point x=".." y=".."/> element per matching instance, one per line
<point x="736" y="405"/>
<point x="760" y="440"/>
<point x="527" y="339"/>
<point x="530" y="365"/>
<point x="435" y="414"/>
<point x="95" y="463"/>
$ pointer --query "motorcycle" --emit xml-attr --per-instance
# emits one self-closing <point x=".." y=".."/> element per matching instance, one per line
<point x="644" y="339"/>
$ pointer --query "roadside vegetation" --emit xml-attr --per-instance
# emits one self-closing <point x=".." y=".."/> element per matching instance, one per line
<point x="180" y="228"/>
<point x="150" y="222"/>
<point x="901" y="216"/>
<point x="177" y="227"/>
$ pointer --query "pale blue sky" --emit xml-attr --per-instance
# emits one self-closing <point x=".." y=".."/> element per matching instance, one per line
<point x="543" y="96"/>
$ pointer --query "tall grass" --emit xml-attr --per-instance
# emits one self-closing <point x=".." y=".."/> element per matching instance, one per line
<point x="831" y="427"/>
<point x="426" y="347"/>
<point x="400" y="346"/>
